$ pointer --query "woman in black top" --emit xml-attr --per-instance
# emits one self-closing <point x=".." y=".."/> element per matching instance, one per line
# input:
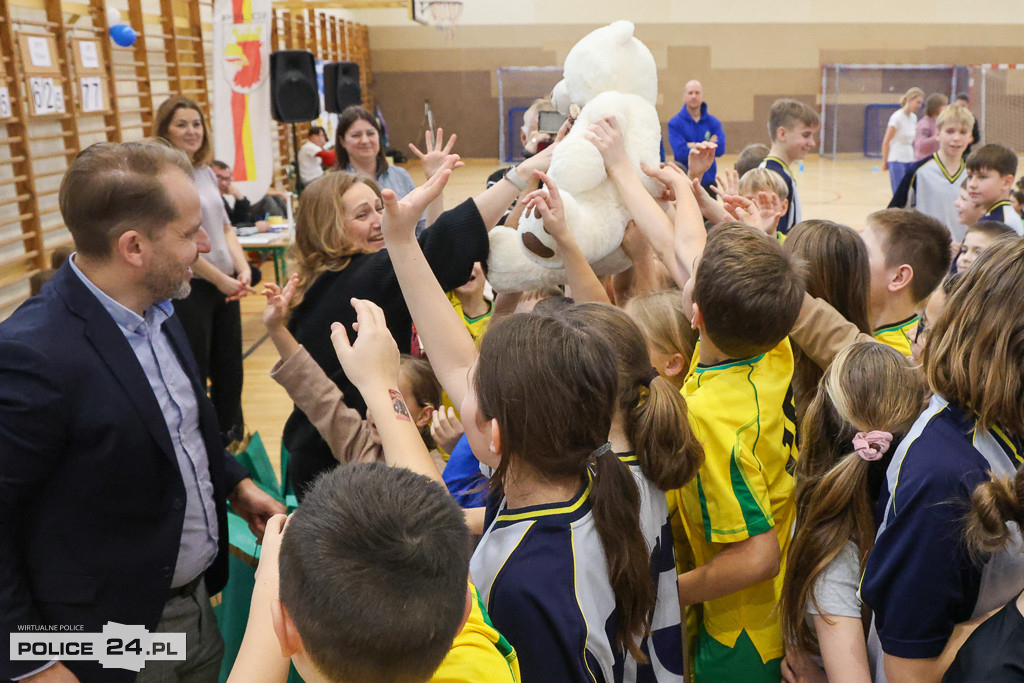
<point x="340" y="254"/>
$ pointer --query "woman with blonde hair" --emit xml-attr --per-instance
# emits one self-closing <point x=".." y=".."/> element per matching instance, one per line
<point x="926" y="588"/>
<point x="210" y="314"/>
<point x="898" y="143"/>
<point x="339" y="255"/>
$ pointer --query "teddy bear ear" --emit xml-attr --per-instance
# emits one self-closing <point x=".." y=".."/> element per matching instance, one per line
<point x="621" y="30"/>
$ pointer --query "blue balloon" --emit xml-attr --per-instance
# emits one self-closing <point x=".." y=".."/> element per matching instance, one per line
<point x="123" y="34"/>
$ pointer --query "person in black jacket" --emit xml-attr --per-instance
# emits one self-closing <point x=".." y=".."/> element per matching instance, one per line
<point x="340" y="255"/>
<point x="113" y="479"/>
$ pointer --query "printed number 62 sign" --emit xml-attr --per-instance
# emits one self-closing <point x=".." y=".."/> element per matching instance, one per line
<point x="46" y="96"/>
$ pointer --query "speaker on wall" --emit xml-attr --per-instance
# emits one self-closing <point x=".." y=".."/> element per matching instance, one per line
<point x="294" y="95"/>
<point x="341" y="86"/>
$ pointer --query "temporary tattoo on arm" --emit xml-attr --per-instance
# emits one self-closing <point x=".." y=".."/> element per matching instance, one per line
<point x="398" y="403"/>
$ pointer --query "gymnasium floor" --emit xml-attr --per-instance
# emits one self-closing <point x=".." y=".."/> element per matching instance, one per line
<point x="845" y="190"/>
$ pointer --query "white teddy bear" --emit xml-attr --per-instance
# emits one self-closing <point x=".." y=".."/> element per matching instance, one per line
<point x="607" y="73"/>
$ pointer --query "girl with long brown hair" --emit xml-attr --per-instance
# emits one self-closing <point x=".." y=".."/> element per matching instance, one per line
<point x="651" y="434"/>
<point x="562" y="556"/>
<point x="922" y="583"/>
<point x="869" y="397"/>
<point x="837" y="272"/>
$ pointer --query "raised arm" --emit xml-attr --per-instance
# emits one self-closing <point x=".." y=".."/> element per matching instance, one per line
<point x="547" y="202"/>
<point x="451" y="348"/>
<point x="372" y="364"/>
<point x="309" y="387"/>
<point x="649" y="217"/>
<point x="275" y="316"/>
<point x="699" y="159"/>
<point x="260" y="659"/>
<point x="492" y="202"/>
<point x="642" y="277"/>
<point x="432" y="160"/>
<point x="690" y="235"/>
<point x="713" y="209"/>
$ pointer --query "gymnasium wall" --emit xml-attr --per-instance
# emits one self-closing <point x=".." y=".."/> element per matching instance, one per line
<point x="173" y="54"/>
<point x="745" y="59"/>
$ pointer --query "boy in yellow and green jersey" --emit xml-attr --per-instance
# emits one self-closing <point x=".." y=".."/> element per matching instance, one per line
<point x="737" y="514"/>
<point x="908" y="255"/>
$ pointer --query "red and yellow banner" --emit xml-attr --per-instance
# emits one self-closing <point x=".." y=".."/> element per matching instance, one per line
<point x="242" y="126"/>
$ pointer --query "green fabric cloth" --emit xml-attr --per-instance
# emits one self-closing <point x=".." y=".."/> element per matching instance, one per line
<point x="715" y="662"/>
<point x="232" y="610"/>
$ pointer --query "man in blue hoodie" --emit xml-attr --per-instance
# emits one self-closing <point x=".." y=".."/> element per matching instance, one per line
<point x="694" y="124"/>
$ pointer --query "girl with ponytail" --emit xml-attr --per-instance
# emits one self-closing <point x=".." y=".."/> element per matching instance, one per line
<point x="670" y="338"/>
<point x="562" y="566"/>
<point x="869" y="396"/>
<point x="995" y="651"/>
<point x="651" y="434"/>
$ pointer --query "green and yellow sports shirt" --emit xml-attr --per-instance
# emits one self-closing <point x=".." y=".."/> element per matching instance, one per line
<point x="743" y="413"/>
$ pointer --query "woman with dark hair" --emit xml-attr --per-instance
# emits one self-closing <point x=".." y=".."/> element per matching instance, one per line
<point x="358" y="149"/>
<point x="210" y="314"/>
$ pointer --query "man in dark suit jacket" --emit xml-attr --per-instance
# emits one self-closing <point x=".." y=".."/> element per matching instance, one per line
<point x="113" y="478"/>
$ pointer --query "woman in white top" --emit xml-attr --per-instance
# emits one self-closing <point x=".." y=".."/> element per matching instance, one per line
<point x="210" y="313"/>
<point x="898" y="144"/>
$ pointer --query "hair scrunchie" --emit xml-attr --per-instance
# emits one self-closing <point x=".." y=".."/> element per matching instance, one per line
<point x="651" y="376"/>
<point x="872" y="445"/>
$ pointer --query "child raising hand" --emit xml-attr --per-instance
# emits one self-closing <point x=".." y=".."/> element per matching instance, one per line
<point x="537" y="406"/>
<point x="547" y="203"/>
<point x="350" y="438"/>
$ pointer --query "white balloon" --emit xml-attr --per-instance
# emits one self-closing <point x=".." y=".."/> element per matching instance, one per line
<point x="113" y="16"/>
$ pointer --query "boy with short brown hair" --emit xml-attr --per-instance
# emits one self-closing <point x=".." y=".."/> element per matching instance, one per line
<point x="737" y="513"/>
<point x="980" y="237"/>
<point x="990" y="173"/>
<point x="908" y="253"/>
<point x="791" y="125"/>
<point x="750" y="157"/>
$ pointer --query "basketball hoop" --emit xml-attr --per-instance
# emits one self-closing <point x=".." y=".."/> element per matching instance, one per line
<point x="445" y="15"/>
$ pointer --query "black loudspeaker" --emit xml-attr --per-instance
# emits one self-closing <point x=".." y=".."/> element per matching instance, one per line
<point x="294" y="96"/>
<point x="341" y="86"/>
